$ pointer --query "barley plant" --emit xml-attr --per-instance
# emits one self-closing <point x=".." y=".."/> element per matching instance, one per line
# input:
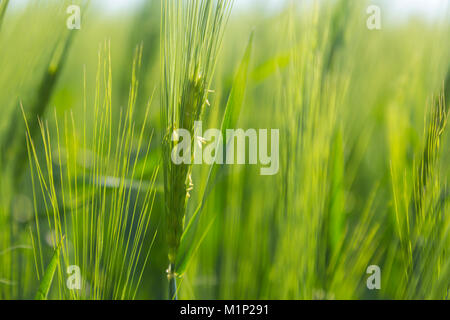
<point x="97" y="204"/>
<point x="100" y="198"/>
<point x="192" y="33"/>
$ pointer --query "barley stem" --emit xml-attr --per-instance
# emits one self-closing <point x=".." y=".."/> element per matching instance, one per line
<point x="171" y="276"/>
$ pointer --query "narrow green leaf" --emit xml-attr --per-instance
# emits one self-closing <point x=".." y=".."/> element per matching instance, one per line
<point x="47" y="280"/>
<point x="3" y="6"/>
<point x="184" y="264"/>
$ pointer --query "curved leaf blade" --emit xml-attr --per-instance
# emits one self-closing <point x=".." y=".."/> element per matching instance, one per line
<point x="49" y="274"/>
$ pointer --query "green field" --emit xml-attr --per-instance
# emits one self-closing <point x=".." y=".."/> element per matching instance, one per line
<point x="93" y="205"/>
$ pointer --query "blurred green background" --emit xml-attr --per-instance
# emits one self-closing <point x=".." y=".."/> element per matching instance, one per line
<point x="364" y="147"/>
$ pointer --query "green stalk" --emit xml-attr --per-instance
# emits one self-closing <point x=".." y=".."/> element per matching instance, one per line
<point x="187" y="70"/>
<point x="171" y="276"/>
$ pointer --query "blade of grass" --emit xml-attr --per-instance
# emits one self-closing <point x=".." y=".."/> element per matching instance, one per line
<point x="3" y="7"/>
<point x="47" y="279"/>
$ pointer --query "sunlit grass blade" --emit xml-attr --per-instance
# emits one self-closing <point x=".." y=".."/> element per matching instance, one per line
<point x="47" y="279"/>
